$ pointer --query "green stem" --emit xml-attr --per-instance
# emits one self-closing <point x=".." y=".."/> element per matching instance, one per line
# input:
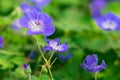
<point x="51" y="56"/>
<point x="51" y="76"/>
<point x="95" y="76"/>
<point x="53" y="61"/>
<point x="40" y="50"/>
<point x="29" y="75"/>
<point x="50" y="73"/>
<point x="40" y="72"/>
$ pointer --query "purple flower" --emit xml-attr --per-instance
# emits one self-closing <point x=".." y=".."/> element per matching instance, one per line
<point x="109" y="22"/>
<point x="41" y="3"/>
<point x="65" y="57"/>
<point x="27" y="8"/>
<point x="96" y="6"/>
<point x="37" y="23"/>
<point x="1" y="41"/>
<point x="91" y="64"/>
<point x="31" y="55"/>
<point x="55" y="45"/>
<point x="16" y="26"/>
<point x="25" y="66"/>
<point x="27" y="69"/>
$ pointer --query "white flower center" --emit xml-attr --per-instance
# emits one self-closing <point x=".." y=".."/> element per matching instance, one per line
<point x="36" y="25"/>
<point x="109" y="24"/>
<point x="54" y="45"/>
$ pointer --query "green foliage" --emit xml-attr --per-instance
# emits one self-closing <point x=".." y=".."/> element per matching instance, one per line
<point x="75" y="26"/>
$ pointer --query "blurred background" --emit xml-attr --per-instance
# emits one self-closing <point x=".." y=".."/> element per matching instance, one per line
<point x="74" y="25"/>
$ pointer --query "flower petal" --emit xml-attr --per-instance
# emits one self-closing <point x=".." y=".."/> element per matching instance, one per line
<point x="47" y="48"/>
<point x="49" y="30"/>
<point x="63" y="47"/>
<point x="85" y="67"/>
<point x="109" y="22"/>
<point x="1" y="41"/>
<point x="46" y="18"/>
<point x="23" y="22"/>
<point x="91" y="60"/>
<point x="99" y="67"/>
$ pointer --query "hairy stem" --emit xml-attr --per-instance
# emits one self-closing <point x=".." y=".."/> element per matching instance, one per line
<point x="46" y="62"/>
<point x="51" y="56"/>
<point x="95" y="76"/>
<point x="40" y="50"/>
<point x="53" y="61"/>
<point x="51" y="76"/>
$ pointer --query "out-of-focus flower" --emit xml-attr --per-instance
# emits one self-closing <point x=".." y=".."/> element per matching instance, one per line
<point x="37" y="23"/>
<point x="109" y="22"/>
<point x="1" y="42"/>
<point x="65" y="57"/>
<point x="91" y="64"/>
<point x="27" y="69"/>
<point x="16" y="26"/>
<point x="96" y="6"/>
<point x="41" y="3"/>
<point x="55" y="45"/>
<point x="31" y="55"/>
<point x="27" y="8"/>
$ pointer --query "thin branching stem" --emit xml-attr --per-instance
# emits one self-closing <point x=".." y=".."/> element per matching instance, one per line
<point x="53" y="61"/>
<point x="40" y="50"/>
<point x="51" y="56"/>
<point x="51" y="76"/>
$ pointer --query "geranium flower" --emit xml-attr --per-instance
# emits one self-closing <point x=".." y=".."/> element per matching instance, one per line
<point x="91" y="64"/>
<point x="55" y="45"/>
<point x="109" y="22"/>
<point x="37" y="23"/>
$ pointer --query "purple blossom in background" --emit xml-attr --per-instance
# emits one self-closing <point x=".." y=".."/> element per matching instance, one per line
<point x="16" y="26"/>
<point x="91" y="64"/>
<point x="96" y="6"/>
<point x="65" y="57"/>
<point x="32" y="55"/>
<point x="55" y="45"/>
<point x="1" y="42"/>
<point x="25" y="66"/>
<point x="27" y="8"/>
<point x="109" y="22"/>
<point x="37" y="23"/>
<point x="41" y="3"/>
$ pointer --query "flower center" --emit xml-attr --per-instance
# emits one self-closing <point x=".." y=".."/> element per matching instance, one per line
<point x="36" y="25"/>
<point x="55" y="45"/>
<point x="109" y="24"/>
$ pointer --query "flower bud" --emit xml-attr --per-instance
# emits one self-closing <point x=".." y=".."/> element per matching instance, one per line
<point x="45" y="70"/>
<point x="27" y="69"/>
